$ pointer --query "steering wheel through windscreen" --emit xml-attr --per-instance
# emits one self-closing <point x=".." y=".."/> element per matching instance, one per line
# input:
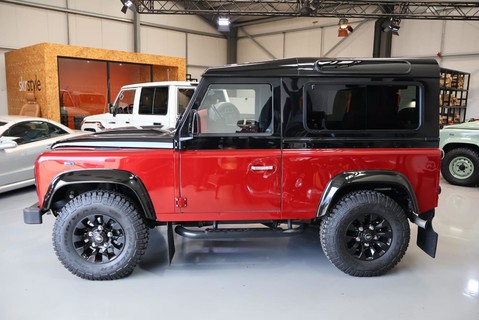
<point x="228" y="112"/>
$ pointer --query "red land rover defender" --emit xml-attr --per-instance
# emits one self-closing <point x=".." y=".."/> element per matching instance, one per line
<point x="263" y="149"/>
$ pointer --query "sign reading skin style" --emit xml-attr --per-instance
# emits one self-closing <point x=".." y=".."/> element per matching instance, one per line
<point x="29" y="85"/>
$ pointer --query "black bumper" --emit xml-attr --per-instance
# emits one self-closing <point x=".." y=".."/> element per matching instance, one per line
<point x="32" y="214"/>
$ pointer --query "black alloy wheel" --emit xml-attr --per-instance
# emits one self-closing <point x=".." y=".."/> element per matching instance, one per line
<point x="100" y="235"/>
<point x="365" y="234"/>
<point x="368" y="237"/>
<point x="98" y="238"/>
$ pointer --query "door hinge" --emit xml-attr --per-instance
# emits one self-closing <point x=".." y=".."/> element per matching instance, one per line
<point x="181" y="202"/>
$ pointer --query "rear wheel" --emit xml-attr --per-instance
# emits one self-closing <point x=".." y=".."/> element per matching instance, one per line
<point x="366" y="234"/>
<point x="100" y="235"/>
<point x="461" y="167"/>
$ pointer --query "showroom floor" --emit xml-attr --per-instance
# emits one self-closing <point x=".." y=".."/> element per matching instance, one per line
<point x="244" y="279"/>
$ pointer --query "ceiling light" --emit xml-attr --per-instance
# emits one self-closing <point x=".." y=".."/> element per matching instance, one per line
<point x="344" y="28"/>
<point x="128" y="4"/>
<point x="224" y="24"/>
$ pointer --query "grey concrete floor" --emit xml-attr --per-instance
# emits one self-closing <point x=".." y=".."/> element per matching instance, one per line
<point x="243" y="279"/>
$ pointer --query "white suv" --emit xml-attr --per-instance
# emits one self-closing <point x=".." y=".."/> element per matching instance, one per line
<point x="144" y="104"/>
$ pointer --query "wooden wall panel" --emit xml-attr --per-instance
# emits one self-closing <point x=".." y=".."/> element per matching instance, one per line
<point x="35" y="68"/>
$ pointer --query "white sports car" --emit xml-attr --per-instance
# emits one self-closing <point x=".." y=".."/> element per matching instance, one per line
<point x="22" y="140"/>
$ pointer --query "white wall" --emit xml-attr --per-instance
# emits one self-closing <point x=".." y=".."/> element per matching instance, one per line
<point x="3" y="84"/>
<point x="458" y="43"/>
<point x="23" y="26"/>
<point x="302" y="37"/>
<point x="101" y="24"/>
<point x="157" y="41"/>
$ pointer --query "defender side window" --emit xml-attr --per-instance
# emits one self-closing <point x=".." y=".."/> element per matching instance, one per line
<point x="362" y="106"/>
<point x="236" y="109"/>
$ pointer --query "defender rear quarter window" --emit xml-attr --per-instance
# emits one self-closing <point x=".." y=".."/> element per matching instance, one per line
<point x="365" y="106"/>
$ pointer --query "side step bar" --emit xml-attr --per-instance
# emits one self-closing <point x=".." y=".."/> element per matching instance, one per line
<point x="228" y="233"/>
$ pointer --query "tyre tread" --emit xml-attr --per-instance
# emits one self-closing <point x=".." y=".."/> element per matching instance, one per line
<point x="111" y="199"/>
<point x="326" y="231"/>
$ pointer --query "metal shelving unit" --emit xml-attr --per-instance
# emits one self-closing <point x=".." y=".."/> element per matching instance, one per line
<point x="454" y="87"/>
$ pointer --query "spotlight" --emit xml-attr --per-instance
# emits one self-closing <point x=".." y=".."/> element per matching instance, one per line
<point x="393" y="26"/>
<point x="306" y="10"/>
<point x="128" y="4"/>
<point x="224" y="24"/>
<point x="344" y="28"/>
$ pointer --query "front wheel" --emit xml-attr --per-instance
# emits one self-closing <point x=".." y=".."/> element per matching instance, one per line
<point x="366" y="234"/>
<point x="461" y="167"/>
<point x="100" y="235"/>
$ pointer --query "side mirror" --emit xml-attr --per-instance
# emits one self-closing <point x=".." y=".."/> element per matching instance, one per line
<point x="7" y="144"/>
<point x="112" y="109"/>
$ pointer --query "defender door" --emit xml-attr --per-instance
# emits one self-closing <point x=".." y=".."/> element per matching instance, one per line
<point x="230" y="157"/>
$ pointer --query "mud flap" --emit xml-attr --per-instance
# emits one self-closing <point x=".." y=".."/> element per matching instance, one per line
<point x="426" y="236"/>
<point x="170" y="242"/>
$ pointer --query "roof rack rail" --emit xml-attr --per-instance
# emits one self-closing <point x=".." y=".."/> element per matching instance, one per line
<point x="363" y="66"/>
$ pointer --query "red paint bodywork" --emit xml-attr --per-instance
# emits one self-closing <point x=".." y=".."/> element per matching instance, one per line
<point x="221" y="185"/>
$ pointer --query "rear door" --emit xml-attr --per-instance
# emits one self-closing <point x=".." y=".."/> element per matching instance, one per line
<point x="153" y="107"/>
<point x="231" y="168"/>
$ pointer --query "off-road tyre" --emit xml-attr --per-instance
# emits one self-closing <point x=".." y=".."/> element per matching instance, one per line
<point x="100" y="235"/>
<point x="365" y="234"/>
<point x="460" y="166"/>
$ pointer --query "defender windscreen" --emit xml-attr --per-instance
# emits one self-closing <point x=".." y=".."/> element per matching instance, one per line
<point x="362" y="106"/>
<point x="124" y="102"/>
<point x="236" y="109"/>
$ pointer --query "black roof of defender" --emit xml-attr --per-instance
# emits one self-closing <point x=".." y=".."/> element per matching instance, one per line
<point x="326" y="67"/>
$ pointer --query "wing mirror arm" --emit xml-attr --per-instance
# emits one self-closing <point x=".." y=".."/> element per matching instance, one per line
<point x="195" y="123"/>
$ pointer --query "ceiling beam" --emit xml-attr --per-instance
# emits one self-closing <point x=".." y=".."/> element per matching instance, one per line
<point x="435" y="10"/>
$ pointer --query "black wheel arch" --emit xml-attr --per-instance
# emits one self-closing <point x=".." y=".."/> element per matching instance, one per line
<point x="69" y="184"/>
<point x="391" y="183"/>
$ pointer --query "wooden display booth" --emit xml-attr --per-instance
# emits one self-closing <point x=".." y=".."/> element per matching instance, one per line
<point x="46" y="72"/>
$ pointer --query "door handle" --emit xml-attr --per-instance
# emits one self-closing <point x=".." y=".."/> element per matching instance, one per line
<point x="262" y="168"/>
